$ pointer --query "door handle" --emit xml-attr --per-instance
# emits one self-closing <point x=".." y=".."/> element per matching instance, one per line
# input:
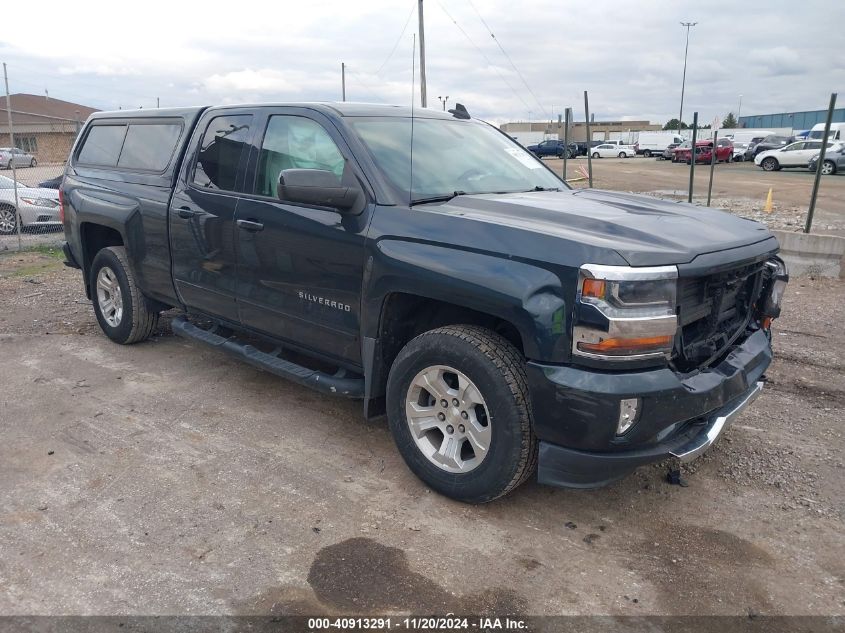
<point x="186" y="213"/>
<point x="250" y="225"/>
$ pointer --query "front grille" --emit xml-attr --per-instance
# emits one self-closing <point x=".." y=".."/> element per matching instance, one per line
<point x="713" y="311"/>
<point x="44" y="218"/>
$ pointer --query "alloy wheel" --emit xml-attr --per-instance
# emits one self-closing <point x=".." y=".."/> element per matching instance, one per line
<point x="109" y="296"/>
<point x="448" y="419"/>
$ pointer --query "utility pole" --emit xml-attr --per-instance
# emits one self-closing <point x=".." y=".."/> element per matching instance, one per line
<point x="443" y="100"/>
<point x="423" y="97"/>
<point x="684" y="80"/>
<point x="158" y="102"/>
<point x="343" y="81"/>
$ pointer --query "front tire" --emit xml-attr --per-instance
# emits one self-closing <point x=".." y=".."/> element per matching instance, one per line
<point x="33" y="163"/>
<point x="459" y="410"/>
<point x="8" y="220"/>
<point x="770" y="164"/>
<point x="125" y="315"/>
<point x="647" y="153"/>
<point x="828" y="168"/>
<point x="623" y="155"/>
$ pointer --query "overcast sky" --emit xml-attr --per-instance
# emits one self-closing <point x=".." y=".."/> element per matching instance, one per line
<point x="780" y="55"/>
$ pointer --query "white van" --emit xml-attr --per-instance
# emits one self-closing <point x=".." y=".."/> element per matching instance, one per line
<point x="655" y="143"/>
<point x="749" y="134"/>
<point x="837" y="131"/>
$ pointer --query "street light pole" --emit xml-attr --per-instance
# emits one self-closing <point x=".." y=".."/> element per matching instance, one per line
<point x="739" y="112"/>
<point x="684" y="80"/>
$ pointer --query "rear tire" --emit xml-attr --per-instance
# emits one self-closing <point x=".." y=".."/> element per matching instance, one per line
<point x="125" y="315"/>
<point x="647" y="153"/>
<point x="623" y="155"/>
<point x="33" y="163"/>
<point x="595" y="155"/>
<point x="466" y="364"/>
<point x="770" y="164"/>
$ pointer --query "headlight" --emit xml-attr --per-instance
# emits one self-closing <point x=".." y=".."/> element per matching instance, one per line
<point x="41" y="202"/>
<point x="625" y="313"/>
<point x="776" y="286"/>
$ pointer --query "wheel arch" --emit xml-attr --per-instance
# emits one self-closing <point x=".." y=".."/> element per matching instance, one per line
<point x="407" y="290"/>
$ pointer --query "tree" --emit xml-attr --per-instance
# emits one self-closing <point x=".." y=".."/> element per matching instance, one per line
<point x="730" y="122"/>
<point x="672" y="124"/>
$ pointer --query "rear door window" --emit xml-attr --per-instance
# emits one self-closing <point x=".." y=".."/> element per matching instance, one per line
<point x="102" y="145"/>
<point x="223" y="147"/>
<point x="149" y="146"/>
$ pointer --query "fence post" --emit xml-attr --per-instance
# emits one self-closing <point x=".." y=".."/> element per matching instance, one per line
<point x="589" y="139"/>
<point x="12" y="160"/>
<point x="712" y="165"/>
<point x="567" y="112"/>
<point x="692" y="154"/>
<point x="817" y="180"/>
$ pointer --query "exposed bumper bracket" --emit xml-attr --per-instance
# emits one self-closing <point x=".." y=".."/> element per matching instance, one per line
<point x="715" y="426"/>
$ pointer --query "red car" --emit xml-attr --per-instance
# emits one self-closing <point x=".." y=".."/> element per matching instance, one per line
<point x="703" y="152"/>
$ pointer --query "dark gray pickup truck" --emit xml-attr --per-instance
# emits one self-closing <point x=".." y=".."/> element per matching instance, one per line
<point x="433" y="268"/>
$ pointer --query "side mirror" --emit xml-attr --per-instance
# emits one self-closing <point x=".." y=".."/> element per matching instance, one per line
<point x="319" y="187"/>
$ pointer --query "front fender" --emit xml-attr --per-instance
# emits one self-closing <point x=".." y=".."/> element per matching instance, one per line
<point x="532" y="299"/>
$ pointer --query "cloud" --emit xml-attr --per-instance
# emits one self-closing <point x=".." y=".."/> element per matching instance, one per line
<point x="629" y="56"/>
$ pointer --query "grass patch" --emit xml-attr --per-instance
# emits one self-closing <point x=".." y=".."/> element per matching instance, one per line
<point x="49" y="251"/>
<point x="31" y="262"/>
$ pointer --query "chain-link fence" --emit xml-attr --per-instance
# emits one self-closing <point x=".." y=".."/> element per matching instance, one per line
<point x="36" y="135"/>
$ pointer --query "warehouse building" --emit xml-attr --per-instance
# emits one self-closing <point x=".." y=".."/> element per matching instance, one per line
<point x="599" y="130"/>
<point x="793" y="120"/>
<point x="43" y="126"/>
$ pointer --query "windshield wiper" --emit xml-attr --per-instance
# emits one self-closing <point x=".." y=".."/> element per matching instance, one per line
<point x="539" y="188"/>
<point x="443" y="198"/>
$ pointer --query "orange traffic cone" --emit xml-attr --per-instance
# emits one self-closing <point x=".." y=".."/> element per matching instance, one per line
<point x="768" y="207"/>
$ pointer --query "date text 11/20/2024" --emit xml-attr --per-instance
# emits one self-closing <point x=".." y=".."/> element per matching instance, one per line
<point x="447" y="623"/>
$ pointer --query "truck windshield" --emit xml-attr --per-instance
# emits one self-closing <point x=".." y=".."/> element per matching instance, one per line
<point x="450" y="157"/>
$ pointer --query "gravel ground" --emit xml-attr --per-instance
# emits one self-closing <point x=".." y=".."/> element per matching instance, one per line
<point x="167" y="478"/>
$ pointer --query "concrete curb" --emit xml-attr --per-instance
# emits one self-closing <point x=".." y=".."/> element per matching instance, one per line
<point x="812" y="255"/>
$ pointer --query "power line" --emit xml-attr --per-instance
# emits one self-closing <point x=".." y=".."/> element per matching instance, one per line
<point x="365" y="85"/>
<point x="508" y="57"/>
<point x="484" y="55"/>
<point x="398" y="39"/>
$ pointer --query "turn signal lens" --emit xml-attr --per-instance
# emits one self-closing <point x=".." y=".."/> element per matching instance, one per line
<point x="627" y="346"/>
<point x="61" y="206"/>
<point x="593" y="288"/>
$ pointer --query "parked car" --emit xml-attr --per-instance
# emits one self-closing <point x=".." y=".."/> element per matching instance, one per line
<point x="552" y="147"/>
<point x="52" y="183"/>
<point x="656" y="143"/>
<point x="20" y="158"/>
<point x="752" y="144"/>
<point x="669" y="152"/>
<point x="773" y="141"/>
<point x="739" y="152"/>
<point x="38" y="207"/>
<point x="797" y="154"/>
<point x="834" y="160"/>
<point x="595" y="332"/>
<point x="680" y="149"/>
<point x="610" y="150"/>
<point x="704" y="150"/>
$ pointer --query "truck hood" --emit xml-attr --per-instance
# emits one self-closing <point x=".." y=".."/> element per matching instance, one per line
<point x="644" y="231"/>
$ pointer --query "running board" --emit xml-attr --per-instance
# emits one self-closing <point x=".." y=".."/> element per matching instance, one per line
<point x="321" y="381"/>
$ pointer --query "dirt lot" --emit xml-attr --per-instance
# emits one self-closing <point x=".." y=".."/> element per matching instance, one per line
<point x="738" y="187"/>
<point x="167" y="478"/>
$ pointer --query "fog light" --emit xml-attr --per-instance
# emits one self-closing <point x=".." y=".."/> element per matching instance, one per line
<point x="627" y="414"/>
